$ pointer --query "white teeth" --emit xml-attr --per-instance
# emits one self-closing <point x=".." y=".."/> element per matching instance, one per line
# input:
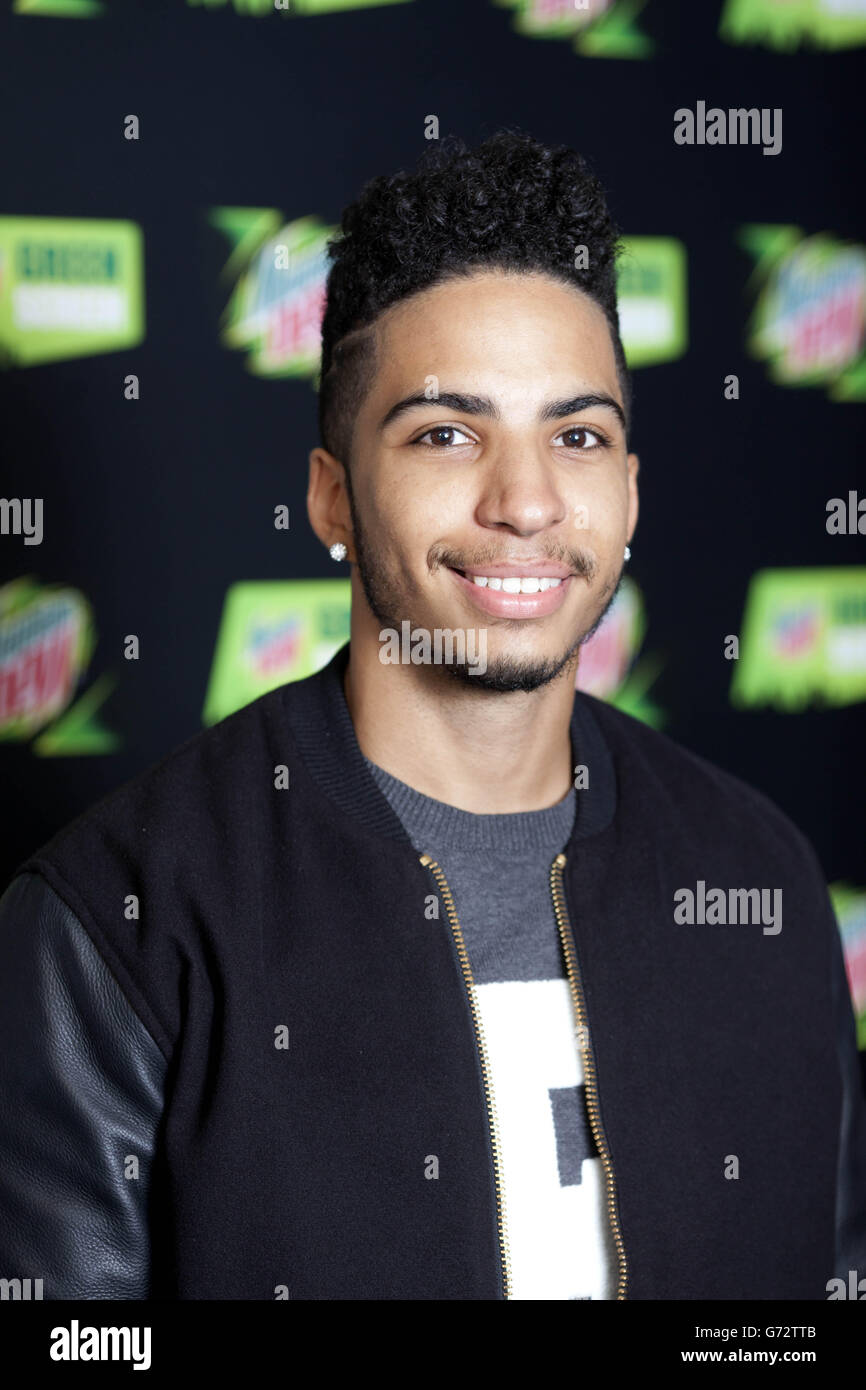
<point x="514" y="585"/>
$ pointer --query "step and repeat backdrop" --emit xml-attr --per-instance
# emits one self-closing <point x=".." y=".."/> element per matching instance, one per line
<point x="158" y="364"/>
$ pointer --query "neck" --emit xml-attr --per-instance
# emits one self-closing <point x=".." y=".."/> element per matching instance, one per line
<point x="480" y="751"/>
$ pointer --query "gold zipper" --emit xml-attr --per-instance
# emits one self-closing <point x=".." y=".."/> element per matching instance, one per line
<point x="560" y="909"/>
<point x="430" y="863"/>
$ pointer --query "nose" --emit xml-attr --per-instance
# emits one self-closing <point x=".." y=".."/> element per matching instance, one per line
<point x="520" y="493"/>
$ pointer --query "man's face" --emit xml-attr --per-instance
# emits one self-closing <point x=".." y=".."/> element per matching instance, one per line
<point x="516" y="479"/>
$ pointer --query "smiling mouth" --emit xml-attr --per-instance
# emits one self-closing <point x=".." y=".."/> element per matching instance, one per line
<point x="513" y="584"/>
<point x="513" y="596"/>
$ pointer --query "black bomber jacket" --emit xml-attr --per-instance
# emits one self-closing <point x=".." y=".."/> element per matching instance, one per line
<point x="230" y="1035"/>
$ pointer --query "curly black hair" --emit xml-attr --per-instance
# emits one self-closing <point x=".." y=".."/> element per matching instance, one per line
<point x="511" y="203"/>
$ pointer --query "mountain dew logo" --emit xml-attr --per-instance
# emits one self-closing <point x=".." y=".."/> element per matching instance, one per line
<point x="786" y="23"/>
<point x="803" y="639"/>
<point x="47" y="637"/>
<point x="606" y="660"/>
<point x="809" y="321"/>
<point x="849" y="904"/>
<point x="272" y="632"/>
<point x="68" y="288"/>
<point x="651" y="297"/>
<point x="279" y="271"/>
<point x="597" y="28"/>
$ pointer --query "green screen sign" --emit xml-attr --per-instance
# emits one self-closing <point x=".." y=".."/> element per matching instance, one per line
<point x="68" y="288"/>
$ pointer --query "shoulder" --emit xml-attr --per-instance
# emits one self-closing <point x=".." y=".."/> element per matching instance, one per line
<point x="188" y="791"/>
<point x="664" y="779"/>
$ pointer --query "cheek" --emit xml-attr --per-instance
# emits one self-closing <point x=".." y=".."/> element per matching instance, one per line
<point x="418" y="513"/>
<point x="599" y="506"/>
<point x="384" y="512"/>
<point x="398" y="531"/>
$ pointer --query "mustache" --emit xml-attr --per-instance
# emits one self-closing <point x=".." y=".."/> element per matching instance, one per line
<point x="581" y="563"/>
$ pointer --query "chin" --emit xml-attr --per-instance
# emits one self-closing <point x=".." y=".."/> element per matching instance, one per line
<point x="508" y="672"/>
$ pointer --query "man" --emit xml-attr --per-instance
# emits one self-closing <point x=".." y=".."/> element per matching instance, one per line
<point x="387" y="986"/>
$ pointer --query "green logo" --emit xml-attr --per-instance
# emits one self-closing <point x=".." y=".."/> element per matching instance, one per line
<point x="651" y="295"/>
<point x="803" y="639"/>
<point x="809" y="319"/>
<point x="68" y="289"/>
<point x="597" y="28"/>
<point x="279" y="271"/>
<point x="60" y="9"/>
<point x="47" y="638"/>
<point x="786" y="23"/>
<point x="273" y="632"/>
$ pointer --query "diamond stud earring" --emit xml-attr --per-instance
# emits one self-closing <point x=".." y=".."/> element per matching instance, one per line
<point x="338" y="551"/>
<point x="628" y="552"/>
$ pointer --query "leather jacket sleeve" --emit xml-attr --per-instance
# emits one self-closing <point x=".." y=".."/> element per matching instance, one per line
<point x="81" y="1096"/>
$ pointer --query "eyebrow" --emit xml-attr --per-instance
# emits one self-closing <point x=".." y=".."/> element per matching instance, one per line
<point x="483" y="405"/>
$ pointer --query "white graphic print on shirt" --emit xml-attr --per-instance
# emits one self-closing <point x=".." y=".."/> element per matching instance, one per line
<point x="558" y="1232"/>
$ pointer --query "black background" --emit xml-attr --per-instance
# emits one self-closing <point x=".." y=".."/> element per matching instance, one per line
<point x="155" y="508"/>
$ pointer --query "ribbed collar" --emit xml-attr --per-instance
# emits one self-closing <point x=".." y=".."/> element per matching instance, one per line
<point x="450" y="828"/>
<point x="322" y="726"/>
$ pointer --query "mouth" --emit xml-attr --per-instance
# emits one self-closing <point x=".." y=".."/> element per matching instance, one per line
<point x="513" y="595"/>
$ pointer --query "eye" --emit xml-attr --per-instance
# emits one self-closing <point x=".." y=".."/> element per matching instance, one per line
<point x="601" y="441"/>
<point x="442" y="443"/>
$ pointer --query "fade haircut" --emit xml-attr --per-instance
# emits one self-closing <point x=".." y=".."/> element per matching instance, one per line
<point x="511" y="203"/>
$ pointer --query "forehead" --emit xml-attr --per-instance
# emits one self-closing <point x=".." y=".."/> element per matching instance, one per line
<point x="516" y="330"/>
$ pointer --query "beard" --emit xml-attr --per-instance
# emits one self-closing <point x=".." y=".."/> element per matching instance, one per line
<point x="504" y="674"/>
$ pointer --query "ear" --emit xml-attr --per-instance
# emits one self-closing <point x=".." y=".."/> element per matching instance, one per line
<point x="328" y="500"/>
<point x="633" y="505"/>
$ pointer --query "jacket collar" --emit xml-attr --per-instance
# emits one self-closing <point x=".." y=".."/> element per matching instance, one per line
<point x="322" y="726"/>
